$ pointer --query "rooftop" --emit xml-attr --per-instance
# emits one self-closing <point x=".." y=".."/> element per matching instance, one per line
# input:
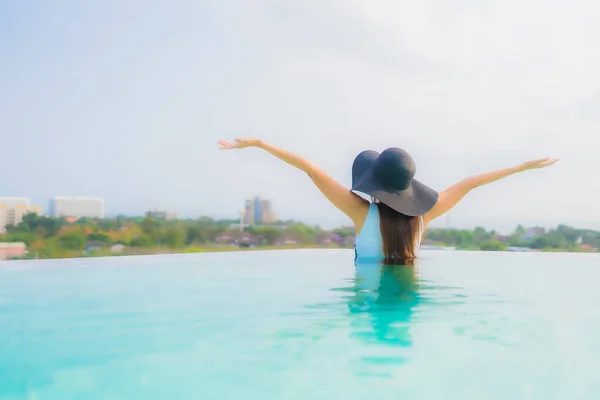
<point x="76" y="198"/>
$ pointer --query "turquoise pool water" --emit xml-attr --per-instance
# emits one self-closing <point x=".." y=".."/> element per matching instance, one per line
<point x="301" y="325"/>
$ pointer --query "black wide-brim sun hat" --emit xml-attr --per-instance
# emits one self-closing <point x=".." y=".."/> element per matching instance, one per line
<point x="389" y="177"/>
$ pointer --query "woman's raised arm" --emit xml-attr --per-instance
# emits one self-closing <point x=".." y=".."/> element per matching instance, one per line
<point x="454" y="194"/>
<point x="341" y="197"/>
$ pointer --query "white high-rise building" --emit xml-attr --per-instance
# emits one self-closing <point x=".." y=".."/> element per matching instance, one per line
<point x="12" y="210"/>
<point x="15" y="201"/>
<point x="77" y="207"/>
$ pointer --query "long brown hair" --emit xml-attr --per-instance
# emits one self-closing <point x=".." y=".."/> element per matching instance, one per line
<point x="400" y="233"/>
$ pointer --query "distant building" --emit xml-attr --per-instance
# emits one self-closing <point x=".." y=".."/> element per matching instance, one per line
<point x="14" y="215"/>
<point x="268" y="216"/>
<point x="36" y="210"/>
<point x="166" y="215"/>
<point x="12" y="210"/>
<point x="15" y="201"/>
<point x="238" y="238"/>
<point x="501" y="238"/>
<point x="117" y="248"/>
<point x="286" y="240"/>
<point x="12" y="250"/>
<point x="77" y="207"/>
<point x="324" y="239"/>
<point x="259" y="211"/>
<point x="93" y="245"/>
<point x="249" y="213"/>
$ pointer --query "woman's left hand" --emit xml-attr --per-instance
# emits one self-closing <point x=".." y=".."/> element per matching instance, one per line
<point x="536" y="164"/>
<point x="238" y="143"/>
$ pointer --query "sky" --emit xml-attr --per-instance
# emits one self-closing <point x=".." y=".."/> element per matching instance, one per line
<point x="125" y="100"/>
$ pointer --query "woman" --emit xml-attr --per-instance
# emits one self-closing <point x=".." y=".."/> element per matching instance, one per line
<point x="390" y="227"/>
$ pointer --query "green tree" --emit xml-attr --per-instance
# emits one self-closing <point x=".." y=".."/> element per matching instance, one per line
<point x="40" y="232"/>
<point x="141" y="241"/>
<point x="99" y="237"/>
<point x="206" y="221"/>
<point x="152" y="227"/>
<point x="107" y="225"/>
<point x="267" y="232"/>
<point x="570" y="234"/>
<point x="195" y="234"/>
<point x="343" y="232"/>
<point x="211" y="232"/>
<point x="49" y="250"/>
<point x="24" y="237"/>
<point x="305" y="234"/>
<point x="492" y="245"/>
<point x="33" y="221"/>
<point x="84" y="221"/>
<point x="175" y="236"/>
<point x="480" y="235"/>
<point x="72" y="241"/>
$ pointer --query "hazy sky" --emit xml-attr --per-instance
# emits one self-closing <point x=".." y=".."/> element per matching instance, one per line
<point x="125" y="100"/>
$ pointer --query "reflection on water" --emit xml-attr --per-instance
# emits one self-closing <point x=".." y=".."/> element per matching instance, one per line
<point x="382" y="303"/>
<point x="377" y="309"/>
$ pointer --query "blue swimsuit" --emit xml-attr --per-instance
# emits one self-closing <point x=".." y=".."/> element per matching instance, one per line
<point x="368" y="244"/>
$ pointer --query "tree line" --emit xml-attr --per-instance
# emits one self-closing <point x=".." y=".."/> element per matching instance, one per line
<point x="48" y="237"/>
<point x="561" y="238"/>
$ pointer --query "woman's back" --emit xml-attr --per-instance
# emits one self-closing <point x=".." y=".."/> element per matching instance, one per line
<point x="369" y="242"/>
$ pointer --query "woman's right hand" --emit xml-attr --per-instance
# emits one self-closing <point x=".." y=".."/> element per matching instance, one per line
<point x="238" y="143"/>
<point x="451" y="196"/>
<point x="541" y="163"/>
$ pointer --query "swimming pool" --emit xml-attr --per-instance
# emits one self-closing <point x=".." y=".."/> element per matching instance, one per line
<point x="301" y="325"/>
